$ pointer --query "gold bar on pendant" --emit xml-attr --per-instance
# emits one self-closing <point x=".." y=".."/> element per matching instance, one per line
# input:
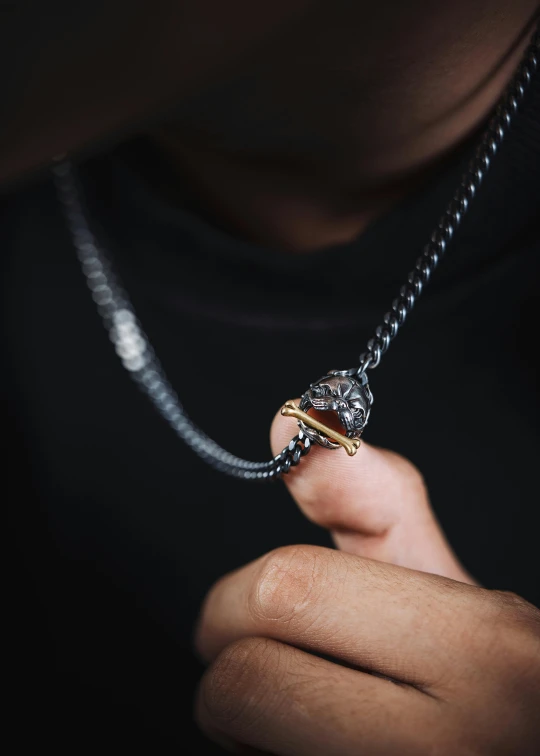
<point x="351" y="445"/>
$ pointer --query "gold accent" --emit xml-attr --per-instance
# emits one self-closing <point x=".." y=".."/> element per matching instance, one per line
<point x="351" y="445"/>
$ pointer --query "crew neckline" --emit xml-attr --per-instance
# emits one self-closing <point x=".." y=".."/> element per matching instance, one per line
<point x="188" y="259"/>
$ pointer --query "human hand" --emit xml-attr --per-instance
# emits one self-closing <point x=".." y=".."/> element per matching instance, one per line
<point x="413" y="663"/>
<point x="375" y="504"/>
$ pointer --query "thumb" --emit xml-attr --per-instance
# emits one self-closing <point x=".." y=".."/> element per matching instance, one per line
<point x="375" y="504"/>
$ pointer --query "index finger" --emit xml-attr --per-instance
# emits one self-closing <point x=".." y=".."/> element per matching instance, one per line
<point x="398" y="622"/>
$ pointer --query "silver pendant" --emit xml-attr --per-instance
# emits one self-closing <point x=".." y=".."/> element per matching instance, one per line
<point x="343" y="392"/>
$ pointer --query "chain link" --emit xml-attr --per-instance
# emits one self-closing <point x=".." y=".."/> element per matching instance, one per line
<point x="452" y="217"/>
<point x="136" y="353"/>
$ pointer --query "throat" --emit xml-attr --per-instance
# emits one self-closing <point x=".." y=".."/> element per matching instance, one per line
<point x="273" y="204"/>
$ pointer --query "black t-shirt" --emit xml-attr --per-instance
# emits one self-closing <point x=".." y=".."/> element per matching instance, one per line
<point x="119" y="529"/>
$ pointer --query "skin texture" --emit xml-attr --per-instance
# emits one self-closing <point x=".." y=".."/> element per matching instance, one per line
<point x="314" y="652"/>
<point x="463" y="662"/>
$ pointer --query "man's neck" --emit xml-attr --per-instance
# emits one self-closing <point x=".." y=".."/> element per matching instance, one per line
<point x="408" y="128"/>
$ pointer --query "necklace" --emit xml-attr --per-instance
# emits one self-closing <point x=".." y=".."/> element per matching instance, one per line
<point x="344" y="392"/>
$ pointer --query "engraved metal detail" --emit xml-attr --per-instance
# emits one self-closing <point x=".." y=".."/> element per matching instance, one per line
<point x="349" y="396"/>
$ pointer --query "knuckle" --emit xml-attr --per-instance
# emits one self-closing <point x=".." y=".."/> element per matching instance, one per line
<point x="286" y="583"/>
<point x="231" y="689"/>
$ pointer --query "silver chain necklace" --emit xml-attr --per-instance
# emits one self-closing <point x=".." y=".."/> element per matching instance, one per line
<point x="344" y="392"/>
